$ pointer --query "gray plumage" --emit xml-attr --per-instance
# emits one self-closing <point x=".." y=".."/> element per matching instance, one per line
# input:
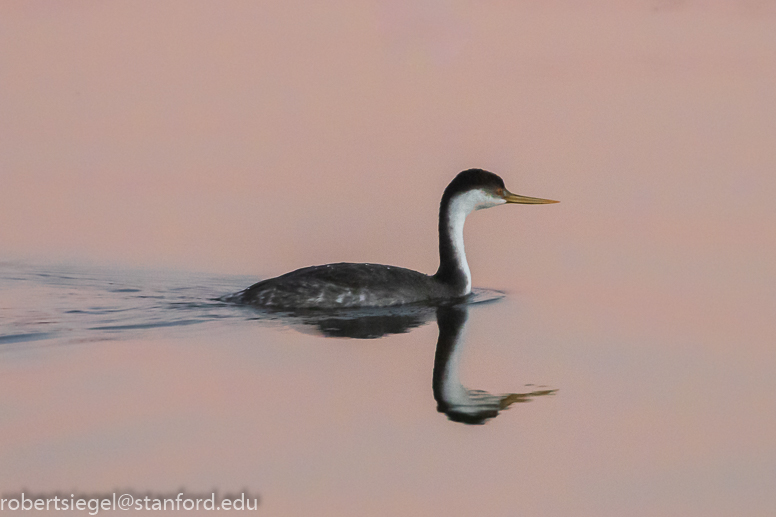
<point x="344" y="285"/>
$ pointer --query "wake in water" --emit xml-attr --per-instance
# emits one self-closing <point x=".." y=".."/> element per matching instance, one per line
<point x="77" y="304"/>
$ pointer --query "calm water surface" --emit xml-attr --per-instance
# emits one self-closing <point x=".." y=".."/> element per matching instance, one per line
<point x="141" y="380"/>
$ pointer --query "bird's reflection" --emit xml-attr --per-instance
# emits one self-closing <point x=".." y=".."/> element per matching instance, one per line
<point x="367" y="323"/>
<point x="459" y="403"/>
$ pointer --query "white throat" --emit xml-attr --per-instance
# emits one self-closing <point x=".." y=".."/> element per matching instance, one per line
<point x="461" y="206"/>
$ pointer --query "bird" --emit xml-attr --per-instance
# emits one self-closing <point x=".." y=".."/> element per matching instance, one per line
<point x="356" y="285"/>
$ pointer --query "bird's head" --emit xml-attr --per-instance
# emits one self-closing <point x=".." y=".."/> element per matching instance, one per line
<point x="478" y="189"/>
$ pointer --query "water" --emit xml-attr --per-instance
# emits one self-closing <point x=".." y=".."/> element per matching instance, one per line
<point x="66" y="305"/>
<point x="143" y="380"/>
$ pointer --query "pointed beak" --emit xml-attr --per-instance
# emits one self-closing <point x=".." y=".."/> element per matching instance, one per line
<point x="514" y="198"/>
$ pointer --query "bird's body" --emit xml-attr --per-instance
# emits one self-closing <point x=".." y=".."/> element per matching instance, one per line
<point x="348" y="285"/>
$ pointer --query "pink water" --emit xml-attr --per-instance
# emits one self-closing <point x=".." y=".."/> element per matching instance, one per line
<point x="251" y="139"/>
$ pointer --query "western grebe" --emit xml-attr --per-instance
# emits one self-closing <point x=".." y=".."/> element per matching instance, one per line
<point x="346" y="285"/>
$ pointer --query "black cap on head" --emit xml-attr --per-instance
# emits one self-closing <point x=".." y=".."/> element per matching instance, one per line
<point x="472" y="179"/>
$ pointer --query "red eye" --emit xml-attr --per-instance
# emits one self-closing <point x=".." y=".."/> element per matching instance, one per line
<point x="500" y="191"/>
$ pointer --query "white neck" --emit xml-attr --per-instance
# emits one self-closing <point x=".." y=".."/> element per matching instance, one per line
<point x="461" y="206"/>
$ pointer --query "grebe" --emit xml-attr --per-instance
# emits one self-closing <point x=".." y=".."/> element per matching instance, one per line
<point x="346" y="285"/>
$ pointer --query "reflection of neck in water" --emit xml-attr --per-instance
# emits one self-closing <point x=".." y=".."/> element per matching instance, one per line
<point x="459" y="403"/>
